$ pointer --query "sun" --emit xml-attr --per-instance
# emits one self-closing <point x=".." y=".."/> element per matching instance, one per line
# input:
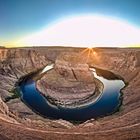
<point x="89" y="52"/>
<point x="82" y="31"/>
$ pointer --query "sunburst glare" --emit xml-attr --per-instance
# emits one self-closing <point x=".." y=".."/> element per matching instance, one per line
<point x="89" y="53"/>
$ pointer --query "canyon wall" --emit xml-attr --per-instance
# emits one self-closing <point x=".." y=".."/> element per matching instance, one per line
<point x="17" y="121"/>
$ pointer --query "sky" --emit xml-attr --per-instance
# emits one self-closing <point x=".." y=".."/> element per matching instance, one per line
<point x="20" y="18"/>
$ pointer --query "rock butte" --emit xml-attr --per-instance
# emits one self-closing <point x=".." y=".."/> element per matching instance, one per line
<point x="71" y="82"/>
<point x="17" y="121"/>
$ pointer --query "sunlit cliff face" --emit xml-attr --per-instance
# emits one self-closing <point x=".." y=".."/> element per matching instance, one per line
<point x="85" y="31"/>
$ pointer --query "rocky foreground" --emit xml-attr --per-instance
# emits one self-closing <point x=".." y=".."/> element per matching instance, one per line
<point x="18" y="122"/>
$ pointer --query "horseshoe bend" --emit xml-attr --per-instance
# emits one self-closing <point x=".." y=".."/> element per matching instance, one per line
<point x="69" y="93"/>
<point x="70" y="83"/>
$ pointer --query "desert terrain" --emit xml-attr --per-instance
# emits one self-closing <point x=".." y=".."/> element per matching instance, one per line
<point x="19" y="122"/>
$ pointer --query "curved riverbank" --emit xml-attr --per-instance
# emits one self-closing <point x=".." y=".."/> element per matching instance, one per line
<point x="106" y="101"/>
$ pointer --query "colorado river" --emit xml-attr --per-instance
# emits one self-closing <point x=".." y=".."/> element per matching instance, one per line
<point x="107" y="102"/>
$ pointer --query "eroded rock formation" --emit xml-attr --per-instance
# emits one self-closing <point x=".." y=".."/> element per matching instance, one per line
<point x="73" y="67"/>
<point x="71" y="83"/>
